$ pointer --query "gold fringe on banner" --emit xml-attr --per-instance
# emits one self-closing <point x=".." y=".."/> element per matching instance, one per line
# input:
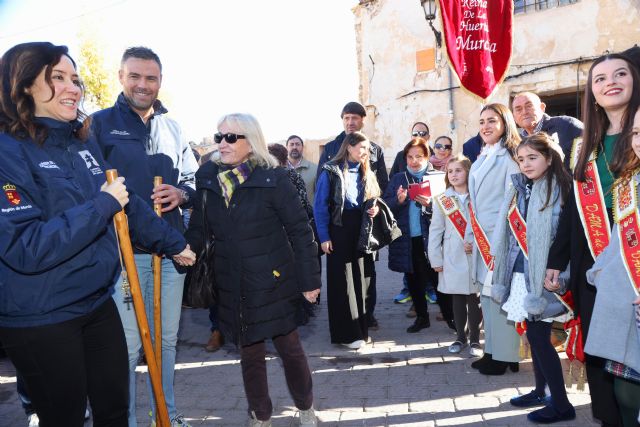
<point x="581" y="379"/>
<point x="524" y="347"/>
<point x="568" y="378"/>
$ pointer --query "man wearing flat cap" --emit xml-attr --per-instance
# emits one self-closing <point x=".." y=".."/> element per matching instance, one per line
<point x="353" y="120"/>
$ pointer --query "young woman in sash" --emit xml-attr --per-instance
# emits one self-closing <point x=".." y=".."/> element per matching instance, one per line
<point x="527" y="222"/>
<point x="617" y="280"/>
<point x="489" y="178"/>
<point x="612" y="95"/>
<point x="449" y="257"/>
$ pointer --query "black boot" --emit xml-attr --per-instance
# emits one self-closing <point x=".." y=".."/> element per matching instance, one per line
<point x="486" y="358"/>
<point x="497" y="367"/>
<point x="419" y="324"/>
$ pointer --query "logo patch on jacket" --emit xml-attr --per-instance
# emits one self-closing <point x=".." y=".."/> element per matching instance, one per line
<point x="12" y="194"/>
<point x="119" y="132"/>
<point x="50" y="164"/>
<point x="90" y="161"/>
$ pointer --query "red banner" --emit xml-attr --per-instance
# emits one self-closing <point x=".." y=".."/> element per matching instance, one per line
<point x="478" y="36"/>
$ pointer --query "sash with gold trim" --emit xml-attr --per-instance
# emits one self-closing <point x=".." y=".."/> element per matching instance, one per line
<point x="590" y="202"/>
<point x="451" y="210"/>
<point x="518" y="225"/>
<point x="482" y="242"/>
<point x="625" y="214"/>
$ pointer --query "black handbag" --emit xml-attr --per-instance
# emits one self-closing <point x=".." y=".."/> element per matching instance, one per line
<point x="201" y="292"/>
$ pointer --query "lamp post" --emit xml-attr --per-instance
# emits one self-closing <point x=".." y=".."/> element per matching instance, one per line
<point x="429" y="7"/>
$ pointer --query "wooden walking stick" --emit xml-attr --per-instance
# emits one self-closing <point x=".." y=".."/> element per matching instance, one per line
<point x="122" y="228"/>
<point x="157" y="294"/>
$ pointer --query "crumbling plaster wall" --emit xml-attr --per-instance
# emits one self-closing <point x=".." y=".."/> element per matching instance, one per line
<point x="389" y="32"/>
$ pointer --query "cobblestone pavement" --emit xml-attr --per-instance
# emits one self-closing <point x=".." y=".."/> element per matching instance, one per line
<point x="399" y="379"/>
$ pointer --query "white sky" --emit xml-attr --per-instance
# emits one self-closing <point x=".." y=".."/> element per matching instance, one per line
<point x="291" y="63"/>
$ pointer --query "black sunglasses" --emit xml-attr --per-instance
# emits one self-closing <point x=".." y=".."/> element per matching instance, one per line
<point x="231" y="138"/>
<point x="420" y="133"/>
<point x="442" y="147"/>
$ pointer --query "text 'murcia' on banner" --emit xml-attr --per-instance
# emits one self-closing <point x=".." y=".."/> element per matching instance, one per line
<point x="478" y="36"/>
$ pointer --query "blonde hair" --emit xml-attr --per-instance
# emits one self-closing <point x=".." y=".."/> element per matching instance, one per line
<point x="458" y="158"/>
<point x="369" y="180"/>
<point x="248" y="126"/>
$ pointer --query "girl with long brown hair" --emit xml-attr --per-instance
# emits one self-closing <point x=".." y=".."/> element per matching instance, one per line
<point x="345" y="184"/>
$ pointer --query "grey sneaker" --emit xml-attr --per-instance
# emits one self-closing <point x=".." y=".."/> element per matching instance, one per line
<point x="308" y="418"/>
<point x="456" y="347"/>
<point x="255" y="422"/>
<point x="179" y="421"/>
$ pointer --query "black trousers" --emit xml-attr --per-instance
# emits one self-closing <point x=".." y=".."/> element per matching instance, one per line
<point x="467" y="314"/>
<point x="63" y="363"/>
<point x="348" y="276"/>
<point x="546" y="364"/>
<point x="421" y="275"/>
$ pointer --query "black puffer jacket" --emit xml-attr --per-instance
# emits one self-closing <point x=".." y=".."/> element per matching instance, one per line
<point x="258" y="277"/>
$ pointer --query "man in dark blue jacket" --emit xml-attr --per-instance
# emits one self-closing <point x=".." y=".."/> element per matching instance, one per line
<point x="528" y="112"/>
<point x="137" y="138"/>
<point x="353" y="114"/>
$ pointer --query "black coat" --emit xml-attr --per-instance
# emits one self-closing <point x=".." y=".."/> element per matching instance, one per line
<point x="400" y="249"/>
<point x="258" y="277"/>
<point x="570" y="245"/>
<point x="379" y="231"/>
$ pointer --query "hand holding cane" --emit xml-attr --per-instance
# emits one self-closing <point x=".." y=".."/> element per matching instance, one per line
<point x="157" y="293"/>
<point x="122" y="228"/>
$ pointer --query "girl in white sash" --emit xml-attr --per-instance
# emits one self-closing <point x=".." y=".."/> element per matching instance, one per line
<point x="451" y="259"/>
<point x="614" y="333"/>
<point x="527" y="222"/>
<point x="489" y="179"/>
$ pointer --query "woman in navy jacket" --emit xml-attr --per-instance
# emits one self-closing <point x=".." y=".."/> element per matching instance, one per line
<point x="58" y="249"/>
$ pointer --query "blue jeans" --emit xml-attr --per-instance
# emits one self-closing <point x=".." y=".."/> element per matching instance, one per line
<point x="172" y="287"/>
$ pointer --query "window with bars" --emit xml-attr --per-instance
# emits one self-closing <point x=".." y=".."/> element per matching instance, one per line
<point x="526" y="6"/>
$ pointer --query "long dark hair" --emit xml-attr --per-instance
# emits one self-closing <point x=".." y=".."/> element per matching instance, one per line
<point x="596" y="123"/>
<point x="369" y="181"/>
<point x="550" y="150"/>
<point x="19" y="68"/>
<point x="510" y="137"/>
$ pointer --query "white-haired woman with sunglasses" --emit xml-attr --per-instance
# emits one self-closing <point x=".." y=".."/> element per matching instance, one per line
<point x="253" y="212"/>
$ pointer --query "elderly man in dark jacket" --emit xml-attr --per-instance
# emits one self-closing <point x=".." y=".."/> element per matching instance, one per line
<point x="353" y="114"/>
<point x="528" y="111"/>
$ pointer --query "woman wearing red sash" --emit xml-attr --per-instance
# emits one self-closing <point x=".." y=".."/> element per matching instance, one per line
<point x="617" y="280"/>
<point x="585" y="224"/>
<point x="489" y="178"/>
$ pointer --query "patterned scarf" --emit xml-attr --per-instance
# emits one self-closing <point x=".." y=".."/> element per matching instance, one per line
<point x="231" y="178"/>
<point x="439" y="164"/>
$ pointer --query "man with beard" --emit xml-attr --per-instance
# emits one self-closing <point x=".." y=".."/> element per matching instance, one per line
<point x="306" y="169"/>
<point x="138" y="139"/>
<point x="353" y="114"/>
<point x="528" y="112"/>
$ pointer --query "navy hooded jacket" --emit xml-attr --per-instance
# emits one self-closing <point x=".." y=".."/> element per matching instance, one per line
<point x="140" y="152"/>
<point x="58" y="250"/>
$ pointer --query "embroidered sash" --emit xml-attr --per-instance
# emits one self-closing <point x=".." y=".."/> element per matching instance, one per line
<point x="451" y="210"/>
<point x="518" y="225"/>
<point x="590" y="203"/>
<point x="625" y="214"/>
<point x="482" y="242"/>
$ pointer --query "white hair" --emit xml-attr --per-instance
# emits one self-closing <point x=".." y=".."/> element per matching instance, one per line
<point x="250" y="128"/>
